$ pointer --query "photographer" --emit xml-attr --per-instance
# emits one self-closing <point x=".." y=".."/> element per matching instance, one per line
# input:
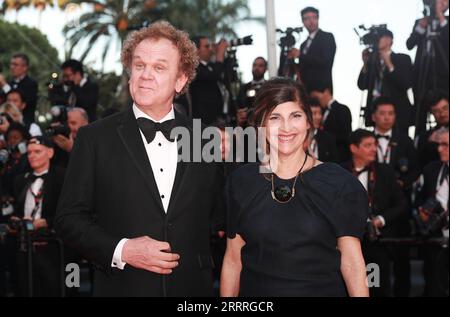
<point x="397" y="150"/>
<point x="16" y="138"/>
<point x="389" y="74"/>
<point x="16" y="114"/>
<point x="316" y="54"/>
<point x="248" y="92"/>
<point x="207" y="91"/>
<point x="430" y="37"/>
<point x="36" y="195"/>
<point x="18" y="68"/>
<point x="433" y="211"/>
<point x="387" y="203"/>
<point x="76" y="118"/>
<point x="436" y="101"/>
<point x="86" y="92"/>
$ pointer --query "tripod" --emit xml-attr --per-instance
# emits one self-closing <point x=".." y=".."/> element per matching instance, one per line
<point x="431" y="54"/>
<point x="287" y="67"/>
<point x="373" y="69"/>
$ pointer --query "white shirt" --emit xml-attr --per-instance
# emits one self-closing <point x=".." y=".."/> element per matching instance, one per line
<point x="327" y="111"/>
<point x="309" y="41"/>
<point x="163" y="158"/>
<point x="364" y="179"/>
<point x="442" y="196"/>
<point x="314" y="146"/>
<point x="29" y="199"/>
<point x="383" y="149"/>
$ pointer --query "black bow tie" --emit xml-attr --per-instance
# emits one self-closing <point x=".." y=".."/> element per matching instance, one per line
<point x="33" y="177"/>
<point x="357" y="173"/>
<point x="149" y="128"/>
<point x="379" y="136"/>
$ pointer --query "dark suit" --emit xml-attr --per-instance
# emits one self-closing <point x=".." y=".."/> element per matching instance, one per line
<point x="394" y="85"/>
<point x="206" y="97"/>
<point x="46" y="265"/>
<point x="435" y="257"/>
<point x="428" y="82"/>
<point x="87" y="98"/>
<point x="387" y="201"/>
<point x="339" y="124"/>
<point x="111" y="193"/>
<point x="29" y="88"/>
<point x="317" y="64"/>
<point x="326" y="147"/>
<point x="403" y="159"/>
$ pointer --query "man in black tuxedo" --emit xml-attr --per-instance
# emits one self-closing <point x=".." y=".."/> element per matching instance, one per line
<point x="436" y="189"/>
<point x="84" y="89"/>
<point x="142" y="217"/>
<point x="397" y="150"/>
<point x="36" y="195"/>
<point x="323" y="144"/>
<point x="436" y="101"/>
<point x="316" y="54"/>
<point x="337" y="118"/>
<point x="207" y="90"/>
<point x="430" y="37"/>
<point x="21" y="81"/>
<point x="387" y="203"/>
<point x="247" y="93"/>
<point x="388" y="74"/>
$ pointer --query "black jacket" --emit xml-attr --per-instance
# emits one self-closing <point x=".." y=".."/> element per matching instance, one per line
<point x="206" y="97"/>
<point x="53" y="183"/>
<point x="404" y="159"/>
<point x="417" y="40"/>
<point x="387" y="198"/>
<point x="395" y="85"/>
<point x="29" y="88"/>
<point x="317" y="64"/>
<point x="339" y="124"/>
<point x="427" y="151"/>
<point x="87" y="98"/>
<point x="326" y="147"/>
<point x="110" y="193"/>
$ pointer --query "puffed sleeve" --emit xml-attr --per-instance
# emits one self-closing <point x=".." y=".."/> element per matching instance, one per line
<point x="232" y="208"/>
<point x="350" y="210"/>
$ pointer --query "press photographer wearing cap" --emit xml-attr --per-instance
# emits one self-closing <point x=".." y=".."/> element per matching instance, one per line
<point x="392" y="78"/>
<point x="36" y="194"/>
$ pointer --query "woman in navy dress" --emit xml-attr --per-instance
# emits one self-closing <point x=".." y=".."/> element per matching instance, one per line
<point x="293" y="229"/>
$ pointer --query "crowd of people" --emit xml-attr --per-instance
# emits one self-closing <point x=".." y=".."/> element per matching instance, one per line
<point x="330" y="200"/>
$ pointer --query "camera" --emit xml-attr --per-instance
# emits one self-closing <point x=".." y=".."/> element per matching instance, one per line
<point x="375" y="32"/>
<point x="59" y="122"/>
<point x="58" y="130"/>
<point x="288" y="41"/>
<point x="20" y="148"/>
<point x="437" y="217"/>
<point x="60" y="93"/>
<point x="19" y="224"/>
<point x="248" y="40"/>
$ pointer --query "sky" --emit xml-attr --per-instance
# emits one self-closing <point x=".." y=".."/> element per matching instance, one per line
<point x="336" y="16"/>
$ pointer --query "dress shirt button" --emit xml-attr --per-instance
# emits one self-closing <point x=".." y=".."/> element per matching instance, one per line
<point x="159" y="144"/>
<point x="162" y="196"/>
<point x="161" y="170"/>
<point x="115" y="264"/>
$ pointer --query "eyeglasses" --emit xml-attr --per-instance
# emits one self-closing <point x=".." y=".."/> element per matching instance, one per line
<point x="284" y="194"/>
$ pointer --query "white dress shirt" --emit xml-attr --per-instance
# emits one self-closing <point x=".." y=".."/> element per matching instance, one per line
<point x="442" y="197"/>
<point x="163" y="158"/>
<point x="327" y="111"/>
<point x="35" y="187"/>
<point x="383" y="150"/>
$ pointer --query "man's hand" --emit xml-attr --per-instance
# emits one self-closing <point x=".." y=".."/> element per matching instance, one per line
<point x="40" y="223"/>
<point x="441" y="7"/>
<point x="423" y="23"/>
<point x="294" y="53"/>
<point x="64" y="143"/>
<point x="377" y="222"/>
<point x="220" y="51"/>
<point x="386" y="56"/>
<point x="149" y="254"/>
<point x="434" y="137"/>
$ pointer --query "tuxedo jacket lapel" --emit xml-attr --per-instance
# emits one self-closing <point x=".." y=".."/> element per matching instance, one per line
<point x="131" y="138"/>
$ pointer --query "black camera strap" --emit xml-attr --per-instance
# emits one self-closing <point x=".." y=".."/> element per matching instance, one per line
<point x="37" y="200"/>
